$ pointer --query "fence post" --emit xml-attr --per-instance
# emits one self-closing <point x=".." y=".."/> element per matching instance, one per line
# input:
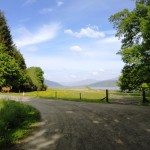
<point x="107" y="95"/>
<point x="80" y="96"/>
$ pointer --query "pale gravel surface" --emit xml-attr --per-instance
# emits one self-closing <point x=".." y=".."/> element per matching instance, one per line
<point x="88" y="126"/>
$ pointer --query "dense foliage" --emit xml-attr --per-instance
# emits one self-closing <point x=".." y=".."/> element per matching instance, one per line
<point x="36" y="76"/>
<point x="10" y="73"/>
<point x="133" y="28"/>
<point x="13" y="71"/>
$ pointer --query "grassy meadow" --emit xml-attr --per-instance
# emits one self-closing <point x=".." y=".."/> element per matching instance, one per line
<point x="84" y="95"/>
<point x="74" y="94"/>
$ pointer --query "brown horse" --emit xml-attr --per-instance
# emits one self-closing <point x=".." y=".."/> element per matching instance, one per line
<point x="6" y="89"/>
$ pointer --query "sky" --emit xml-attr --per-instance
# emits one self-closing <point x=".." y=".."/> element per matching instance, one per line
<point x="71" y="40"/>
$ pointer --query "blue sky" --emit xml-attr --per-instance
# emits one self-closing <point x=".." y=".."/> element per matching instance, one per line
<point x="71" y="40"/>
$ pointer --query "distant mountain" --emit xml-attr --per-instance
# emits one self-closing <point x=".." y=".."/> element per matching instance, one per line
<point x="81" y="83"/>
<point x="105" y="83"/>
<point x="52" y="84"/>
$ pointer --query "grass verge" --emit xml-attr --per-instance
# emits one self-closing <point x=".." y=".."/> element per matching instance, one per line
<point x="15" y="121"/>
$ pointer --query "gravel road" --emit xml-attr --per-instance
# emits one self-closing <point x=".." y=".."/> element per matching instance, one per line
<point x="88" y="126"/>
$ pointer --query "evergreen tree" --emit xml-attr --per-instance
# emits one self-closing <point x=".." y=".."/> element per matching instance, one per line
<point x="5" y="36"/>
<point x="6" y="43"/>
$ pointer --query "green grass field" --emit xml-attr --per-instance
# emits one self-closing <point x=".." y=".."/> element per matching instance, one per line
<point x="76" y="94"/>
<point x="84" y="95"/>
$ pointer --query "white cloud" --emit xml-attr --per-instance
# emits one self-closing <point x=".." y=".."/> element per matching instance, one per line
<point x="70" y="63"/>
<point x="45" y="10"/>
<point x="44" y="33"/>
<point x="110" y="40"/>
<point x="76" y="49"/>
<point x="86" y="32"/>
<point x="73" y="76"/>
<point x="110" y="45"/>
<point x="95" y="73"/>
<point x="101" y="70"/>
<point x="60" y="3"/>
<point x="110" y="32"/>
<point x="61" y="66"/>
<point x="28" y="2"/>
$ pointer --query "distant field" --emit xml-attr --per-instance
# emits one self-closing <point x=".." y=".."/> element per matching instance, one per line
<point x="84" y="94"/>
<point x="78" y="94"/>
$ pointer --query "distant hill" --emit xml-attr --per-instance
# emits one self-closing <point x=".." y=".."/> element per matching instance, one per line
<point x="105" y="83"/>
<point x="81" y="83"/>
<point x="52" y="84"/>
<point x="89" y="82"/>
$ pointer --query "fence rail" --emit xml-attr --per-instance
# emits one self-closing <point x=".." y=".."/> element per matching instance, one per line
<point x="72" y="95"/>
<point x="91" y="95"/>
<point x="78" y="94"/>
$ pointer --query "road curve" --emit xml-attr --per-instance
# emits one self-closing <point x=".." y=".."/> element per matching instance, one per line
<point x="88" y="126"/>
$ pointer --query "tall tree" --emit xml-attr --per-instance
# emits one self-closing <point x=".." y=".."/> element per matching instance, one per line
<point x="133" y="28"/>
<point x="5" y="36"/>
<point x="6" y="43"/>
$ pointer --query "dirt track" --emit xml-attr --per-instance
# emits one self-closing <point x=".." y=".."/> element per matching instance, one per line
<point x="88" y="126"/>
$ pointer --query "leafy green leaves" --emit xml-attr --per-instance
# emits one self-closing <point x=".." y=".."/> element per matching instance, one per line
<point x="134" y="30"/>
<point x="9" y="70"/>
<point x="36" y="76"/>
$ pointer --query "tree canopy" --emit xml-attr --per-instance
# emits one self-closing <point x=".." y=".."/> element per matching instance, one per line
<point x="9" y="71"/>
<point x="36" y="75"/>
<point x="133" y="28"/>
